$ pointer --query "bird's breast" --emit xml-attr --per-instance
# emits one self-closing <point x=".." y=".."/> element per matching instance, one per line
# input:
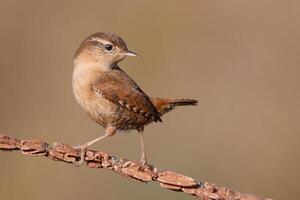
<point x="96" y="106"/>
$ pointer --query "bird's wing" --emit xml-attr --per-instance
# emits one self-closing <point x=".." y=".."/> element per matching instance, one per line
<point x="119" y="88"/>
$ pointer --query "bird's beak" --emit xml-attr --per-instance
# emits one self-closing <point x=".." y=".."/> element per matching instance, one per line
<point x="130" y="53"/>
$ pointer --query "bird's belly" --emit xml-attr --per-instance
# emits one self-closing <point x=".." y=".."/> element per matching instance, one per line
<point x="100" y="109"/>
<point x="107" y="113"/>
<point x="103" y="111"/>
<point x="129" y="120"/>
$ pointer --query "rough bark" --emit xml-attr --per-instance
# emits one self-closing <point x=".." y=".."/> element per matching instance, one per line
<point x="127" y="168"/>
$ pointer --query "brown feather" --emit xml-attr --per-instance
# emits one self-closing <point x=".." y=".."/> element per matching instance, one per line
<point x="164" y="105"/>
<point x="119" y="88"/>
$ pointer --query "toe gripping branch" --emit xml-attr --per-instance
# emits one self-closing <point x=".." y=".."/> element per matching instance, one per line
<point x="130" y="169"/>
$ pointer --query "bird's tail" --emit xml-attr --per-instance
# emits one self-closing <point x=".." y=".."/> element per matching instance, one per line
<point x="164" y="105"/>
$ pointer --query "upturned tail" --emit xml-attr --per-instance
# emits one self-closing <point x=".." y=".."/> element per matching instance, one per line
<point x="164" y="105"/>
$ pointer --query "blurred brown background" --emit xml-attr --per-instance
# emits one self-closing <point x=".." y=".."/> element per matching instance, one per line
<point x="239" y="58"/>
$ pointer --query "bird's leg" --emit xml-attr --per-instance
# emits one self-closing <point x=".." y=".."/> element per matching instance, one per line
<point x="110" y="131"/>
<point x="143" y="157"/>
<point x="83" y="148"/>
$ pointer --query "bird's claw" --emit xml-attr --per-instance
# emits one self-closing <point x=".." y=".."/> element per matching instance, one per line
<point x="144" y="161"/>
<point x="82" y="149"/>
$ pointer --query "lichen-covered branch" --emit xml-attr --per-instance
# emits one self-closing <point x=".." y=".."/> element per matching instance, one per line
<point x="130" y="169"/>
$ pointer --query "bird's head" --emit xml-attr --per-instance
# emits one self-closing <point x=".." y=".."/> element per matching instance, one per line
<point x="103" y="49"/>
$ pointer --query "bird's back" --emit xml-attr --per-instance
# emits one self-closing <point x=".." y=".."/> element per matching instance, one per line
<point x="117" y="87"/>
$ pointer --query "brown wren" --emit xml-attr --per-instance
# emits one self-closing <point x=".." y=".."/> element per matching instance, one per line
<point x="108" y="95"/>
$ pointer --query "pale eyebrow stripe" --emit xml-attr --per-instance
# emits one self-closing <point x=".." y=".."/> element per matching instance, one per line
<point x="100" y="40"/>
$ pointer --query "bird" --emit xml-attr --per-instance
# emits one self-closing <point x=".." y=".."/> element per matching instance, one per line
<point x="109" y="95"/>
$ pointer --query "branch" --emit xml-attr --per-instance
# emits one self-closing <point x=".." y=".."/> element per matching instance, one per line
<point x="127" y="168"/>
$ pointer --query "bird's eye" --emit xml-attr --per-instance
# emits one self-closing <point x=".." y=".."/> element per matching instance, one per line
<point x="108" y="47"/>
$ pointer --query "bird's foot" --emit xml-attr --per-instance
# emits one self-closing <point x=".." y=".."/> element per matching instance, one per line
<point x="143" y="159"/>
<point x="82" y="149"/>
<point x="144" y="162"/>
